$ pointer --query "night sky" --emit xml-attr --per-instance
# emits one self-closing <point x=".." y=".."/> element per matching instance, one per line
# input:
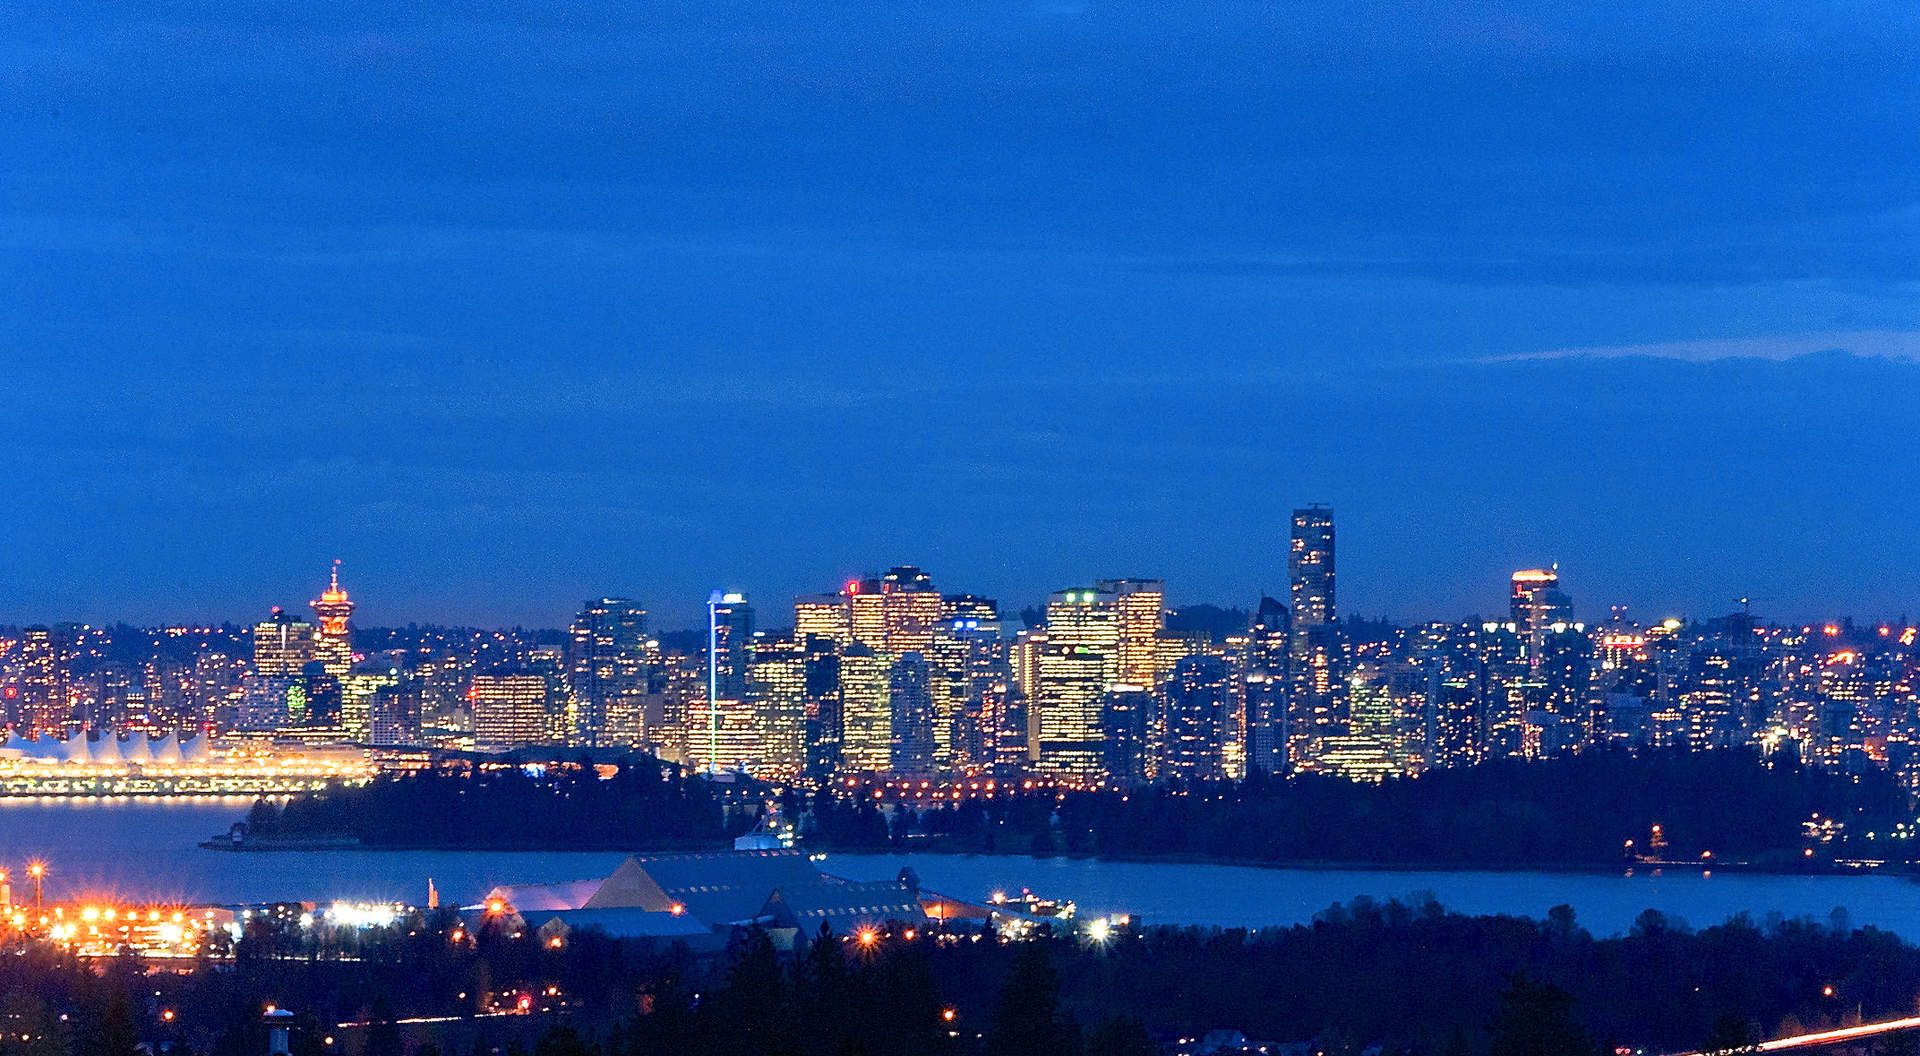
<point x="530" y="302"/>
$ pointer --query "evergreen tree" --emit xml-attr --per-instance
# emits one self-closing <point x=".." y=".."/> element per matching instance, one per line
<point x="1120" y="1036"/>
<point x="1536" y="1019"/>
<point x="751" y="1014"/>
<point x="1028" y="1021"/>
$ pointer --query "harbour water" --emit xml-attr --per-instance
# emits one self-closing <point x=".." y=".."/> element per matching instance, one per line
<point x="148" y="850"/>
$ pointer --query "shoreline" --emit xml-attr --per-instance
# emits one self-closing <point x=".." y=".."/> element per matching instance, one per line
<point x="1288" y="865"/>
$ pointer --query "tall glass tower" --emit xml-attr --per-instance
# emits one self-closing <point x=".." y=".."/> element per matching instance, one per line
<point x="1314" y="648"/>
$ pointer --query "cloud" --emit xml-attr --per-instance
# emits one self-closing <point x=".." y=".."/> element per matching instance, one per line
<point x="1879" y="344"/>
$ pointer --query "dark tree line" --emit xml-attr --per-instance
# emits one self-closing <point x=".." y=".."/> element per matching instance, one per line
<point x="1579" y="810"/>
<point x="644" y="805"/>
<point x="1414" y="979"/>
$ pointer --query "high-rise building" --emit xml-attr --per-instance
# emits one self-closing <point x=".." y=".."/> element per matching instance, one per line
<point x="1073" y="669"/>
<point x="911" y="608"/>
<point x="333" y="646"/>
<point x="43" y="681"/>
<point x="1126" y="724"/>
<point x="822" y="729"/>
<point x="866" y="613"/>
<point x="1197" y="720"/>
<point x="968" y="656"/>
<point x="910" y="706"/>
<point x="822" y="615"/>
<point x="1538" y="603"/>
<point x="1264" y="669"/>
<point x="608" y="661"/>
<point x="1139" y="607"/>
<point x="282" y="645"/>
<point x="730" y="643"/>
<point x="511" y="708"/>
<point x="729" y="739"/>
<point x="777" y="682"/>
<point x="393" y="717"/>
<point x="866" y="713"/>
<point x="1314" y="656"/>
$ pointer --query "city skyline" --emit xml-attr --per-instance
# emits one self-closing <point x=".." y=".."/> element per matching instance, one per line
<point x="686" y="612"/>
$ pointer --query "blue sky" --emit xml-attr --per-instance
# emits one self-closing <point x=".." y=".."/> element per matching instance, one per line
<point x="521" y="303"/>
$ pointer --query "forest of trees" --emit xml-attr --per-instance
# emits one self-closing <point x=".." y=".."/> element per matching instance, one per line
<point x="643" y="806"/>
<point x="1575" y="811"/>
<point x="1414" y="979"/>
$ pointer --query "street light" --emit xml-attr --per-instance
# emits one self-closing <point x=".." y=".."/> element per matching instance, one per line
<point x="37" y="870"/>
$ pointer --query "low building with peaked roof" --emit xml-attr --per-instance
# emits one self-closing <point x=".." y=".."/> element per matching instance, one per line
<point x="707" y="894"/>
<point x="845" y="906"/>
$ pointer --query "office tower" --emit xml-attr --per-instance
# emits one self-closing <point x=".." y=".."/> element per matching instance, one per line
<point x="967" y="656"/>
<point x="1171" y="647"/>
<point x="866" y="713"/>
<point x="1314" y="656"/>
<point x="393" y="717"/>
<point x="510" y="708"/>
<point x="729" y="645"/>
<point x="1004" y="730"/>
<point x="1565" y="671"/>
<point x="333" y="645"/>
<point x="866" y="613"/>
<point x="724" y="736"/>
<point x="1264" y="670"/>
<point x="821" y="615"/>
<point x="910" y="705"/>
<point x="282" y="645"/>
<point x="1388" y="701"/>
<point x="1126" y="725"/>
<point x="777" y="684"/>
<point x="822" y="729"/>
<point x="911" y="608"/>
<point x="1537" y="604"/>
<point x="43" y="681"/>
<point x="268" y="702"/>
<point x="357" y="691"/>
<point x="1073" y="668"/>
<point x="608" y="662"/>
<point x="1139" y="615"/>
<point x="1197" y="720"/>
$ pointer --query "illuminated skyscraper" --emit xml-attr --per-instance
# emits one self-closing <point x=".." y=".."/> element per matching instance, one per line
<point x="282" y="645"/>
<point x="866" y="613"/>
<point x="730" y="718"/>
<point x="910" y="707"/>
<point x="1073" y="668"/>
<point x="1139" y="614"/>
<point x="1315" y="644"/>
<point x="969" y="657"/>
<point x="822" y="615"/>
<point x="510" y="708"/>
<point x="822" y="729"/>
<point x="1537" y="604"/>
<point x="731" y="643"/>
<point x="333" y="646"/>
<point x="866" y="714"/>
<point x="43" y="681"/>
<point x="778" y="684"/>
<point x="1198" y="720"/>
<point x="1127" y="723"/>
<point x="607" y="661"/>
<point x="1264" y="668"/>
<point x="911" y="608"/>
